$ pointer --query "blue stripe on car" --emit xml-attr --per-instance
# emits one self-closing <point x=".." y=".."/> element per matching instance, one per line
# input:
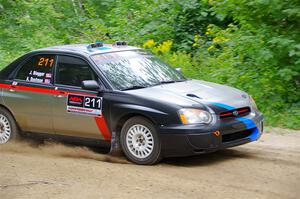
<point x="222" y="105"/>
<point x="254" y="135"/>
<point x="248" y="122"/>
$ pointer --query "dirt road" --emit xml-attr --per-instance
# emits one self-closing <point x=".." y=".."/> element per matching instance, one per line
<point x="269" y="168"/>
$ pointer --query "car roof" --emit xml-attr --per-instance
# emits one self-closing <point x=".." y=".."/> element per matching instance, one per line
<point x="83" y="49"/>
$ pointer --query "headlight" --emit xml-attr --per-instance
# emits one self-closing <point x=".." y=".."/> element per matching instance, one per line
<point x="252" y="102"/>
<point x="194" y="116"/>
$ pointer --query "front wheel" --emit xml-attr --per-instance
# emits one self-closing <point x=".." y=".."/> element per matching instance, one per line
<point x="140" y="141"/>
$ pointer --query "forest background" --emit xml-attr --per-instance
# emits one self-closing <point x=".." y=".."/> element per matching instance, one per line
<point x="252" y="45"/>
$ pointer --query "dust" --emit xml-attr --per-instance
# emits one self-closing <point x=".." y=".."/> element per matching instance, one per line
<point x="58" y="150"/>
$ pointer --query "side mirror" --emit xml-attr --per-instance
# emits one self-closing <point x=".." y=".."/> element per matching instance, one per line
<point x="91" y="85"/>
<point x="179" y="70"/>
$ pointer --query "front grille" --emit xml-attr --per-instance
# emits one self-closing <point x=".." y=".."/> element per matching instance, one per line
<point x="236" y="136"/>
<point x="236" y="112"/>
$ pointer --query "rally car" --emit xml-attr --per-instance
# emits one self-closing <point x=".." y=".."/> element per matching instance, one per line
<point x="114" y="95"/>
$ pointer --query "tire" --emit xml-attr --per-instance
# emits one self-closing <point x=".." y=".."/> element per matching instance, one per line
<point x="140" y="141"/>
<point x="8" y="127"/>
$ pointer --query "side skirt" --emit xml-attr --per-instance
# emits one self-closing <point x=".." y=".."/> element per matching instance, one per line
<point x="69" y="140"/>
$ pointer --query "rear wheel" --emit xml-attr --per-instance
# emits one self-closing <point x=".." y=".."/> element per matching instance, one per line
<point x="8" y="127"/>
<point x="140" y="141"/>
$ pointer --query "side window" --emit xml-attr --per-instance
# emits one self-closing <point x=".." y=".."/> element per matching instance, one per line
<point x="72" y="71"/>
<point x="38" y="69"/>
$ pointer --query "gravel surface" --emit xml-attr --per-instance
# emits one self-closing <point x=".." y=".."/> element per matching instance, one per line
<point x="269" y="168"/>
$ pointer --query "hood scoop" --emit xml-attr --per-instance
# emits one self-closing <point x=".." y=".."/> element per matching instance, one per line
<point x="193" y="95"/>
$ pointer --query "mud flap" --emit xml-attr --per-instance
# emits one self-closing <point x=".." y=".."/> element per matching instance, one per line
<point x="115" y="146"/>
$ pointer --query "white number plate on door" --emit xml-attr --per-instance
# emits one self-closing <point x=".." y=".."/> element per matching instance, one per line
<point x="84" y="105"/>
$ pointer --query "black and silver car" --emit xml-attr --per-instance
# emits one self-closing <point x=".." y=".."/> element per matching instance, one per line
<point x="118" y="95"/>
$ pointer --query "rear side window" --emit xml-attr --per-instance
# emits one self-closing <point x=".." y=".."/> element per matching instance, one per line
<point x="38" y="69"/>
<point x="71" y="71"/>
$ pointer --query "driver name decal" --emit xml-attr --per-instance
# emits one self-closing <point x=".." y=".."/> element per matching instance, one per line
<point x="84" y="105"/>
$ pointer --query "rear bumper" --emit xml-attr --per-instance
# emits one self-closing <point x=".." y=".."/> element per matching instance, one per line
<point x="193" y="140"/>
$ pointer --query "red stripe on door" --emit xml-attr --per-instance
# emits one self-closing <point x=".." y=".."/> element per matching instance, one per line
<point x="37" y="90"/>
<point x="7" y="86"/>
<point x="100" y="121"/>
<point x="44" y="90"/>
<point x="31" y="89"/>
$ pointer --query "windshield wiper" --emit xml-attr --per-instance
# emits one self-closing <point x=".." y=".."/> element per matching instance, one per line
<point x="133" y="87"/>
<point x="167" y="82"/>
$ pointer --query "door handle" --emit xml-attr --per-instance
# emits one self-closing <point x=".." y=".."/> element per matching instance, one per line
<point x="12" y="89"/>
<point x="60" y="94"/>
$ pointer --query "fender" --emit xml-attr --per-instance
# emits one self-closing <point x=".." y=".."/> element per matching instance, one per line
<point x="118" y="111"/>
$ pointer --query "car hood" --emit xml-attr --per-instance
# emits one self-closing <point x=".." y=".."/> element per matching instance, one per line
<point x="193" y="92"/>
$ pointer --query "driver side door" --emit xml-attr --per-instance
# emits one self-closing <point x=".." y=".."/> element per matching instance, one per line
<point x="77" y="112"/>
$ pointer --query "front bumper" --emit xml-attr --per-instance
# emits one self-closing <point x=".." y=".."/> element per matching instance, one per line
<point x="188" y="140"/>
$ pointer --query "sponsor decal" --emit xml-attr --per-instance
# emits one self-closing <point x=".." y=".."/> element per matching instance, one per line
<point x="47" y="81"/>
<point x="48" y="75"/>
<point x="39" y="77"/>
<point x="86" y="105"/>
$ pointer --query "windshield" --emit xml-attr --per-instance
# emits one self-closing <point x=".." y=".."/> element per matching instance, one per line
<point x="135" y="69"/>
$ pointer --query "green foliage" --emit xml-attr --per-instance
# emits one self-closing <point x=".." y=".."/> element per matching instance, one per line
<point x="252" y="45"/>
